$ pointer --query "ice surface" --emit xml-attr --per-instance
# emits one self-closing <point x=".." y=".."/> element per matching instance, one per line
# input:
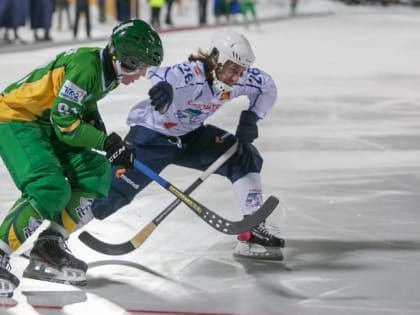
<point x="341" y="149"/>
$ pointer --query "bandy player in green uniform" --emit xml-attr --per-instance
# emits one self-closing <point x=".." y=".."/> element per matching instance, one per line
<point x="49" y="124"/>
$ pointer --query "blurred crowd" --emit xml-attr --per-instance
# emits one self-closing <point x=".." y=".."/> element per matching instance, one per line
<point x="415" y="3"/>
<point x="226" y="9"/>
<point x="38" y="14"/>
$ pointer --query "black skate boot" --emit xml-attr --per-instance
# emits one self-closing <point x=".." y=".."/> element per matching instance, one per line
<point x="259" y="243"/>
<point x="8" y="281"/>
<point x="51" y="260"/>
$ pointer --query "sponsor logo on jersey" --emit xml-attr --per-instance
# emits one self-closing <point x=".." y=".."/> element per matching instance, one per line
<point x="225" y="96"/>
<point x="72" y="92"/>
<point x="192" y="112"/>
<point x="197" y="70"/>
<point x="203" y="107"/>
<point x="169" y="125"/>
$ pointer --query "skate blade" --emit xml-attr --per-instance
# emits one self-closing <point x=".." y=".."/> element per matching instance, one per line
<point x="42" y="271"/>
<point x="255" y="251"/>
<point x="6" y="288"/>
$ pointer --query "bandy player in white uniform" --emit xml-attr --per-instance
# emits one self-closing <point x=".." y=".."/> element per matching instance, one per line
<point x="169" y="128"/>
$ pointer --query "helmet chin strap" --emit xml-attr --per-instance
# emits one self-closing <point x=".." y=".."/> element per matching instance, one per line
<point x="219" y="86"/>
<point x="120" y="73"/>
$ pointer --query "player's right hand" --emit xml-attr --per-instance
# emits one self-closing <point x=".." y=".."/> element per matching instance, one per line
<point x="118" y="151"/>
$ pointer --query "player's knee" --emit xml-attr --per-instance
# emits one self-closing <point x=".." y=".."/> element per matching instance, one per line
<point x="255" y="161"/>
<point x="98" y="181"/>
<point x="250" y="161"/>
<point x="50" y="195"/>
<point x="103" y="208"/>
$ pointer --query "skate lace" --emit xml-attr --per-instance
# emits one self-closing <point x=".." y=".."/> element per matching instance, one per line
<point x="60" y="241"/>
<point x="261" y="229"/>
<point x="63" y="244"/>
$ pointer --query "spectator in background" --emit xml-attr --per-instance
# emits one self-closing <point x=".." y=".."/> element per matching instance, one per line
<point x="40" y="13"/>
<point x="60" y="6"/>
<point x="248" y="6"/>
<point x="156" y="7"/>
<point x="4" y="12"/>
<point x="82" y="6"/>
<point x="123" y="10"/>
<point x="234" y="9"/>
<point x="101" y="7"/>
<point x="15" y="13"/>
<point x="220" y="8"/>
<point x="202" y="12"/>
<point x="179" y="4"/>
<point x="168" y="19"/>
<point x="293" y="7"/>
<point x="3" y="6"/>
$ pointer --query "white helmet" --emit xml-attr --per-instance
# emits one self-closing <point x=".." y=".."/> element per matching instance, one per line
<point x="232" y="46"/>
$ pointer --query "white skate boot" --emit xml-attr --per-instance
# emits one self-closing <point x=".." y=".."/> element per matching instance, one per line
<point x="259" y="243"/>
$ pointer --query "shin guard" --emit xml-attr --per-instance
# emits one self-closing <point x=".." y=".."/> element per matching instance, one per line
<point x="20" y="223"/>
<point x="78" y="211"/>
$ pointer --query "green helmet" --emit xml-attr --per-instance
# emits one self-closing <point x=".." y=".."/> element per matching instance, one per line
<point x="136" y="44"/>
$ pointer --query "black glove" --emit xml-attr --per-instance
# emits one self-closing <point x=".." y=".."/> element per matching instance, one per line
<point x="119" y="152"/>
<point x="247" y="130"/>
<point x="161" y="96"/>
<point x="95" y="119"/>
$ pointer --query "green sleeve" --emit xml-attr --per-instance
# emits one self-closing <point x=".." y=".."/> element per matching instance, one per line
<point x="86" y="136"/>
<point x="90" y="108"/>
<point x="81" y="87"/>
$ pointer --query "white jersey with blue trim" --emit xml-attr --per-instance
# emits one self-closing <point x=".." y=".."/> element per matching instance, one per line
<point x="194" y="99"/>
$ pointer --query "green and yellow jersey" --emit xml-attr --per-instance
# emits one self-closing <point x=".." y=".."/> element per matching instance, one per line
<point x="61" y="93"/>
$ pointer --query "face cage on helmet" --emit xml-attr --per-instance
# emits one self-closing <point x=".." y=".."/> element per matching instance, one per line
<point x="129" y="70"/>
<point x="123" y="70"/>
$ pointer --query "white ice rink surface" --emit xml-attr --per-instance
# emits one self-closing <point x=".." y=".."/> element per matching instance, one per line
<point x="342" y="151"/>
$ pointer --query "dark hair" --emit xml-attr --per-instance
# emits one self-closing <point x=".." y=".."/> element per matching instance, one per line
<point x="210" y="63"/>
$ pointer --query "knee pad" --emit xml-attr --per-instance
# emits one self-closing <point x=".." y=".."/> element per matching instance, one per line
<point x="98" y="180"/>
<point x="77" y="212"/>
<point x="250" y="161"/>
<point x="103" y="208"/>
<point x="49" y="195"/>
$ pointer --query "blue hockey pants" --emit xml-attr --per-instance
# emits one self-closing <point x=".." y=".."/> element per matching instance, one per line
<point x="197" y="150"/>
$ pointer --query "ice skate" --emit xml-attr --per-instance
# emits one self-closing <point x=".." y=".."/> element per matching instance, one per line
<point x="8" y="281"/>
<point x="51" y="260"/>
<point x="259" y="243"/>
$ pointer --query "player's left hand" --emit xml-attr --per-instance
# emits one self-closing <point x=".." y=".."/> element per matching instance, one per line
<point x="161" y="96"/>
